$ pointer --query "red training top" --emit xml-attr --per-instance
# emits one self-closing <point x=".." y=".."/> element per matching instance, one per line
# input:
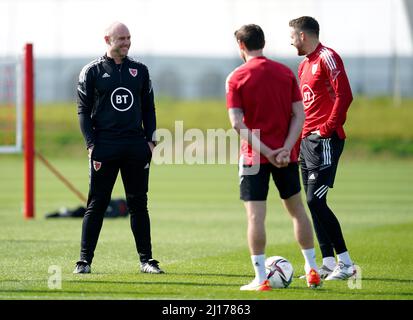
<point x="264" y="90"/>
<point x="326" y="92"/>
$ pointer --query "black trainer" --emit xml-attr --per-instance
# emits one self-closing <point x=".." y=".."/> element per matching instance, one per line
<point x="82" y="266"/>
<point x="151" y="266"/>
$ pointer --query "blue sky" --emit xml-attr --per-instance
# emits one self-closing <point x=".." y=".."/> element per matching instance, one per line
<point x="195" y="27"/>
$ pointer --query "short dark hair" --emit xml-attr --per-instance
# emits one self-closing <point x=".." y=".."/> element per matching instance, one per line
<point x="252" y="36"/>
<point x="306" y="24"/>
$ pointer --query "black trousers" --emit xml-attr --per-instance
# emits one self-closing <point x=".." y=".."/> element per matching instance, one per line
<point x="319" y="160"/>
<point x="132" y="160"/>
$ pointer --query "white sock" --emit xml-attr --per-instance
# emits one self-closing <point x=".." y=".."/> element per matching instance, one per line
<point x="309" y="257"/>
<point x="345" y="258"/>
<point x="258" y="263"/>
<point x="329" y="262"/>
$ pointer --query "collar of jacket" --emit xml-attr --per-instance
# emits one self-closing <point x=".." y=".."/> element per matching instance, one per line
<point x="109" y="59"/>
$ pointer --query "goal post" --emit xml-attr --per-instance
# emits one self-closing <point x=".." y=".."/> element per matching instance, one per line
<point x="28" y="149"/>
<point x="17" y="124"/>
<point x="17" y="118"/>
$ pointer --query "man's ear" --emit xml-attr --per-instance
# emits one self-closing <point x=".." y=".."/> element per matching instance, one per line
<point x="241" y="45"/>
<point x="107" y="40"/>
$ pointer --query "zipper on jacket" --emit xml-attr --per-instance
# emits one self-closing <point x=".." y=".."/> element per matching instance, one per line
<point x="120" y="73"/>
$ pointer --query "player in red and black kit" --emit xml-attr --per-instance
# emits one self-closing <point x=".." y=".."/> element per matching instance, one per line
<point x="326" y="96"/>
<point x="117" y="118"/>
<point x="265" y="107"/>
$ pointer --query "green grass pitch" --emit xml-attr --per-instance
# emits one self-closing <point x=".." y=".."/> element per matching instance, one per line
<point x="199" y="236"/>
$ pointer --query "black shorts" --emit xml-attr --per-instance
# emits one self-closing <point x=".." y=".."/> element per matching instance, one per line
<point x="319" y="159"/>
<point x="254" y="187"/>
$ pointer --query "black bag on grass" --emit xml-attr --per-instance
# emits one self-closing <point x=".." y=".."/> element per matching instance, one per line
<point x="116" y="208"/>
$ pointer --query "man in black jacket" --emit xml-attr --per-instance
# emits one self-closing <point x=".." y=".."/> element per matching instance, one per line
<point x="117" y="118"/>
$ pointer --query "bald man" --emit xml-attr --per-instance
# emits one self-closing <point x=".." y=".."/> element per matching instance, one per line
<point x="117" y="119"/>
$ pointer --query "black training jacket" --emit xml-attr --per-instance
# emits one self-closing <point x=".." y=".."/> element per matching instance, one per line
<point x="115" y="102"/>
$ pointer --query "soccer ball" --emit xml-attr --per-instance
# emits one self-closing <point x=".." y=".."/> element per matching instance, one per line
<point x="279" y="272"/>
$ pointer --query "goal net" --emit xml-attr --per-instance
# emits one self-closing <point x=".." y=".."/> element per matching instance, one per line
<point x="17" y="134"/>
<point x="11" y="120"/>
<point x="16" y="122"/>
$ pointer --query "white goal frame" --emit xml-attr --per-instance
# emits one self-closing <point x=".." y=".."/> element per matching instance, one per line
<point x="17" y="147"/>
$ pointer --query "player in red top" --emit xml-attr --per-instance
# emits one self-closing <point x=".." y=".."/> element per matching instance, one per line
<point x="326" y="96"/>
<point x="264" y="95"/>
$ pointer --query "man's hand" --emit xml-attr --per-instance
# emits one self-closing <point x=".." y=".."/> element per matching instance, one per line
<point x="90" y="149"/>
<point x="283" y="158"/>
<point x="151" y="146"/>
<point x="279" y="157"/>
<point x="317" y="132"/>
